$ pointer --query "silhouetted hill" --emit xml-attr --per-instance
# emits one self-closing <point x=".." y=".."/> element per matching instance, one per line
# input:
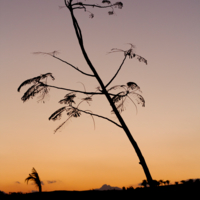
<point x="163" y="192"/>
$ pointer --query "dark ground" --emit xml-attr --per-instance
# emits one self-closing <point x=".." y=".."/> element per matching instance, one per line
<point x="163" y="192"/>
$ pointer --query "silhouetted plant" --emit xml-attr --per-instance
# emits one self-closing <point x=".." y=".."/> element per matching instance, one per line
<point x="168" y="182"/>
<point x="115" y="95"/>
<point x="155" y="183"/>
<point x="197" y="181"/>
<point x="144" y="183"/>
<point x="35" y="178"/>
<point x="130" y="188"/>
<point x="190" y="182"/>
<point x="161" y="182"/>
<point x="2" y="193"/>
<point x="183" y="181"/>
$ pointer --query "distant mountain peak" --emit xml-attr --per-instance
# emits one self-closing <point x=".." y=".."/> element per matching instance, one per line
<point x="108" y="187"/>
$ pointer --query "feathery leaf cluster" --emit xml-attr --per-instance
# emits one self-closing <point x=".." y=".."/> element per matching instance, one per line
<point x="129" y="90"/>
<point x="130" y="53"/>
<point x="38" y="87"/>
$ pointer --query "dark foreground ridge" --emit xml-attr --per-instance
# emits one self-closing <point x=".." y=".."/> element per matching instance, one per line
<point x="162" y="192"/>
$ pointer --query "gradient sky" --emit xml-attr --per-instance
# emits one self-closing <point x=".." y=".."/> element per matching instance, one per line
<point x="167" y="129"/>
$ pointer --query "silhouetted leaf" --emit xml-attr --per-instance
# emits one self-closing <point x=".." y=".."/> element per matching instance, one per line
<point x="110" y="12"/>
<point x="53" y="53"/>
<point x="130" y="53"/>
<point x="61" y="125"/>
<point x="120" y="107"/>
<point x="35" y="80"/>
<point x="32" y="91"/>
<point x="105" y="1"/>
<point x="87" y="99"/>
<point x="57" y="115"/>
<point x="140" y="100"/>
<point x="116" y="87"/>
<point x="69" y="99"/>
<point x="133" y="86"/>
<point x="118" y="5"/>
<point x="91" y="15"/>
<point x="118" y="97"/>
<point x="141" y="59"/>
<point x="74" y="112"/>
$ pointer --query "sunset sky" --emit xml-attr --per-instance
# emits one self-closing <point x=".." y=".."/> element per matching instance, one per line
<point x="79" y="157"/>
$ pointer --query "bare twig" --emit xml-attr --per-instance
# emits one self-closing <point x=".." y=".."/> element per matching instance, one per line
<point x="100" y="117"/>
<point x="78" y="91"/>
<point x="116" y="72"/>
<point x="53" y="54"/>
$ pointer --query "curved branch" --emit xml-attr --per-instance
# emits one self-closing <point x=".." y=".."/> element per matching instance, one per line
<point x="54" y="56"/>
<point x="77" y="28"/>
<point x="78" y="91"/>
<point x="100" y="117"/>
<point x="116" y="72"/>
<point x="94" y="5"/>
<point x="73" y="66"/>
<point x="60" y="88"/>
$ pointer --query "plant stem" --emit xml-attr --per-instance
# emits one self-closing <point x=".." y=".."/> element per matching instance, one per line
<point x="104" y="91"/>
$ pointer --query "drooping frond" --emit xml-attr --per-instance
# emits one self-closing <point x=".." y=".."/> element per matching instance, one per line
<point x="120" y="106"/>
<point x="71" y="112"/>
<point x="133" y="86"/>
<point x="111" y="12"/>
<point x="29" y="81"/>
<point x="74" y="112"/>
<point x="35" y="178"/>
<point x="68" y="99"/>
<point x="118" y="97"/>
<point x="106" y="1"/>
<point x="53" y="53"/>
<point x="113" y="50"/>
<point x="130" y="53"/>
<point x="36" y="80"/>
<point x="140" y="100"/>
<point x="116" y="87"/>
<point x="29" y="178"/>
<point x="141" y="59"/>
<point x="57" y="114"/>
<point x="43" y="76"/>
<point x="118" y="5"/>
<point x="87" y="99"/>
<point x="33" y="90"/>
<point x="39" y="87"/>
<point x="61" y="125"/>
<point x="44" y="93"/>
